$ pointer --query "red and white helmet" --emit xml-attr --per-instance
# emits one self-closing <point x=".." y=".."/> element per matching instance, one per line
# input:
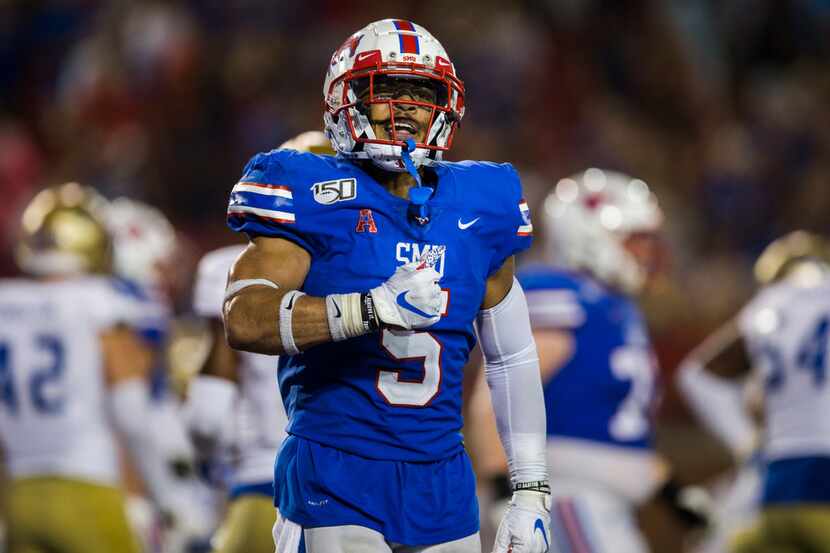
<point x="589" y="216"/>
<point x="144" y="241"/>
<point x="396" y="48"/>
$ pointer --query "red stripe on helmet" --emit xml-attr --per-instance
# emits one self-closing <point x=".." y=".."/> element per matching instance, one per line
<point x="409" y="43"/>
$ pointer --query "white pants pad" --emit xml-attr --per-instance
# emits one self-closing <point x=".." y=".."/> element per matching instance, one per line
<point x="594" y="522"/>
<point x="357" y="539"/>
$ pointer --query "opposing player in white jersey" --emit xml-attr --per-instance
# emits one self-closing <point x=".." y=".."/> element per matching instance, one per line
<point x="783" y="333"/>
<point x="235" y="402"/>
<point x="72" y="377"/>
<point x="144" y="249"/>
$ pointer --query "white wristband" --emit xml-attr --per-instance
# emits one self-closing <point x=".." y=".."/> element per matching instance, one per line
<point x="345" y="316"/>
<point x="287" y="304"/>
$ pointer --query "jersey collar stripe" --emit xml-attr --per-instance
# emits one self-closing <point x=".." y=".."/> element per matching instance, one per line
<point x="524" y="230"/>
<point x="282" y="192"/>
<point x="282" y="216"/>
<point x="409" y="43"/>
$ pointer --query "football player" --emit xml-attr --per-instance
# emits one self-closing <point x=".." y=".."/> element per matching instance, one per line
<point x="235" y="412"/>
<point x="236" y="393"/>
<point x="597" y="363"/>
<point x="73" y="372"/>
<point x="783" y="333"/>
<point x="144" y="249"/>
<point x="367" y="273"/>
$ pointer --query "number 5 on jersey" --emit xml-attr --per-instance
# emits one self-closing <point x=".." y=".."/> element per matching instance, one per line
<point x="408" y="346"/>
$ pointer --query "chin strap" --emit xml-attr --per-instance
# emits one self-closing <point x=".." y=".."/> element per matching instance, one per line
<point x="418" y="195"/>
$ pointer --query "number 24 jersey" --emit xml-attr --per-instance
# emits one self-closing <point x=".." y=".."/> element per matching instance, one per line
<point x="392" y="395"/>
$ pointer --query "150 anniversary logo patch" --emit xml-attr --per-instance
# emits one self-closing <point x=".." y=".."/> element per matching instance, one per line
<point x="334" y="191"/>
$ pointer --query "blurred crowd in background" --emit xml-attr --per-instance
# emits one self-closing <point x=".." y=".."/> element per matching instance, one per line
<point x="722" y="107"/>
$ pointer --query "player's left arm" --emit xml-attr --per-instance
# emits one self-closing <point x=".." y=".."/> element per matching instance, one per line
<point x="711" y="379"/>
<point x="512" y="371"/>
<point x="212" y="394"/>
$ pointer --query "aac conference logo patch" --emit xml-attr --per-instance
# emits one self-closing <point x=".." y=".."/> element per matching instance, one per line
<point x="334" y="191"/>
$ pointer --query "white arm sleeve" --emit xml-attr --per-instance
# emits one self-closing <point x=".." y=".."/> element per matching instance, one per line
<point x="128" y="404"/>
<point x="718" y="404"/>
<point x="512" y="371"/>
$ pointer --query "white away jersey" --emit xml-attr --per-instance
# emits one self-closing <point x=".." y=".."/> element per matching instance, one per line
<point x="53" y="417"/>
<point x="786" y="328"/>
<point x="259" y="421"/>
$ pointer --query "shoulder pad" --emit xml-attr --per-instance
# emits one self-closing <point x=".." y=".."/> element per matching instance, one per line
<point x="494" y="191"/>
<point x="275" y="197"/>
<point x="773" y="296"/>
<point x="553" y="297"/>
<point x="540" y="276"/>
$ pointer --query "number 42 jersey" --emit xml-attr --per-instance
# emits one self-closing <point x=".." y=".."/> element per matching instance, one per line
<point x="392" y="395"/>
<point x="53" y="410"/>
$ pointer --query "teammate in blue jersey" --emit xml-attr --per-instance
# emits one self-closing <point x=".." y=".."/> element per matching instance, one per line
<point x="371" y="273"/>
<point x="596" y="360"/>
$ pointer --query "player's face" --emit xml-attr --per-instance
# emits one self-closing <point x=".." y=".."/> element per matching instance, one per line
<point x="648" y="249"/>
<point x="411" y="120"/>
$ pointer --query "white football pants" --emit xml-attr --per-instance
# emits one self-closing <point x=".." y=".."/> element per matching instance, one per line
<point x="585" y="520"/>
<point x="357" y="539"/>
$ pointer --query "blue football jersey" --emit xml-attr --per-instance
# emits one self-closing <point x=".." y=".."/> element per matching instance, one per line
<point x="392" y="395"/>
<point x="604" y="392"/>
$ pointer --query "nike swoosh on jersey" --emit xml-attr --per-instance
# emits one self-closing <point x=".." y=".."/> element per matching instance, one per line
<point x="465" y="226"/>
<point x="541" y="527"/>
<point x="401" y="299"/>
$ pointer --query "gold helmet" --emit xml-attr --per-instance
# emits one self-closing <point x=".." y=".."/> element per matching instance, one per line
<point x="799" y="252"/>
<point x="63" y="233"/>
<point x="310" y="141"/>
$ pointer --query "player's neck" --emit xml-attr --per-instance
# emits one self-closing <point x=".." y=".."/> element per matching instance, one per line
<point x="397" y="184"/>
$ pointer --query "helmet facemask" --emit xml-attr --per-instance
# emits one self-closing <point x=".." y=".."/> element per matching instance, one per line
<point x="381" y="109"/>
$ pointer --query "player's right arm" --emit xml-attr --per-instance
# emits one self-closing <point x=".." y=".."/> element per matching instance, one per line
<point x="264" y="309"/>
<point x="276" y="318"/>
<point x="252" y="315"/>
<point x="711" y="379"/>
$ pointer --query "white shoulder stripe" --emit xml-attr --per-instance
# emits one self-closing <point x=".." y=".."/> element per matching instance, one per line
<point x="267" y="213"/>
<point x="555" y="308"/>
<point x="263" y="190"/>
